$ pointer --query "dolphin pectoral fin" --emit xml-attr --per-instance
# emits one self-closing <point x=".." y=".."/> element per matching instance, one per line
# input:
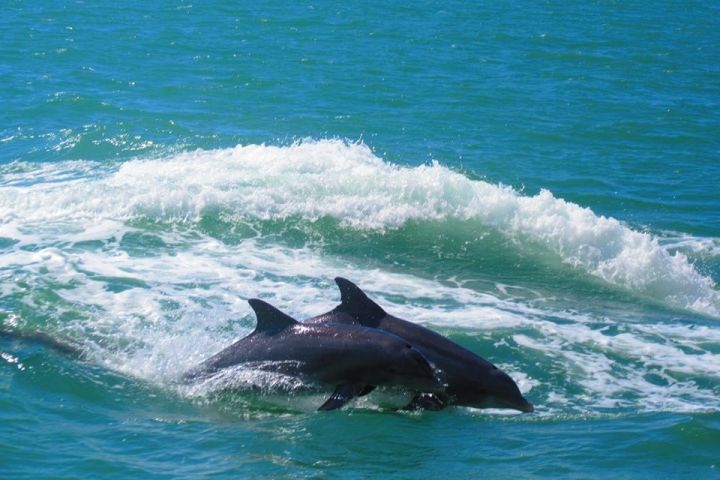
<point x="343" y="394"/>
<point x="426" y="401"/>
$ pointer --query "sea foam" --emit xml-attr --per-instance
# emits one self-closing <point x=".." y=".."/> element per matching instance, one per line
<point x="347" y="182"/>
<point x="155" y="308"/>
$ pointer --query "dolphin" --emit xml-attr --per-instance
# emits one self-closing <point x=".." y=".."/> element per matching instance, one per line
<point x="469" y="379"/>
<point x="35" y="336"/>
<point x="351" y="358"/>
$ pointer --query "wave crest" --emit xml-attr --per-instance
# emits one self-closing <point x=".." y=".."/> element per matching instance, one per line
<point x="349" y="183"/>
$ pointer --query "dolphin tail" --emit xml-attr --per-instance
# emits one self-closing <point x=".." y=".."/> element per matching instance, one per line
<point x="62" y="346"/>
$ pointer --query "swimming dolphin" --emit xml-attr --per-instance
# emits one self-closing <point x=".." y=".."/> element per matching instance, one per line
<point x="65" y="346"/>
<point x="352" y="358"/>
<point x="469" y="379"/>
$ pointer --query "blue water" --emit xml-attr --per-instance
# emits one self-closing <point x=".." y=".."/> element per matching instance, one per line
<point x="536" y="181"/>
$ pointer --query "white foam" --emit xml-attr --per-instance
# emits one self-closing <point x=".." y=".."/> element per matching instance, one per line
<point x="157" y="314"/>
<point x="331" y="178"/>
<point x="12" y="359"/>
<point x="185" y="307"/>
<point x="703" y="246"/>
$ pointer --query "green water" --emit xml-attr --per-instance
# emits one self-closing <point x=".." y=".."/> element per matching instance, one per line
<point x="536" y="181"/>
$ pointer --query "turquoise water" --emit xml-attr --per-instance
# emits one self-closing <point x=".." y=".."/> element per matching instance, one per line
<point x="536" y="181"/>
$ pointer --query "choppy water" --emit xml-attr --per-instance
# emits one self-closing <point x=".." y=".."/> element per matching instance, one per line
<point x="538" y="182"/>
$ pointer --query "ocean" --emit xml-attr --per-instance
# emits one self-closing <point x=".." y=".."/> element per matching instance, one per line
<point x="538" y="181"/>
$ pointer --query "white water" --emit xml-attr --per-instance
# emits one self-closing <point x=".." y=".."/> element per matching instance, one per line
<point x="156" y="314"/>
<point x="312" y="180"/>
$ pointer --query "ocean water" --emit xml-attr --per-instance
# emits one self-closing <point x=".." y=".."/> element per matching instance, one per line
<point x="536" y="180"/>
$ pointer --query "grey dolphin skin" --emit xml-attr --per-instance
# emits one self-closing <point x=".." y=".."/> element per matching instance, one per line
<point x="353" y="359"/>
<point x="469" y="379"/>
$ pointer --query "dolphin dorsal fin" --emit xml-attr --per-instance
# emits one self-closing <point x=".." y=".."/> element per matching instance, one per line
<point x="270" y="320"/>
<point x="354" y="302"/>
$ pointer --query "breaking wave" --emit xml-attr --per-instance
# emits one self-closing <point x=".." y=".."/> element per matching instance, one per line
<point x="117" y="259"/>
<point x="346" y="182"/>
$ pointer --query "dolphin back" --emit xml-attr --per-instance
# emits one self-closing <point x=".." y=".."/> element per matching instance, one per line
<point x="471" y="380"/>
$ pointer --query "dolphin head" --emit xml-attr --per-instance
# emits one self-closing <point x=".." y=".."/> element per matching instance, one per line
<point x="368" y="356"/>
<point x="402" y="365"/>
<point x="494" y="389"/>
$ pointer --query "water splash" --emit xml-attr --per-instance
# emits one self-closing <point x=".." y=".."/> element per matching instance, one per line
<point x="312" y="180"/>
